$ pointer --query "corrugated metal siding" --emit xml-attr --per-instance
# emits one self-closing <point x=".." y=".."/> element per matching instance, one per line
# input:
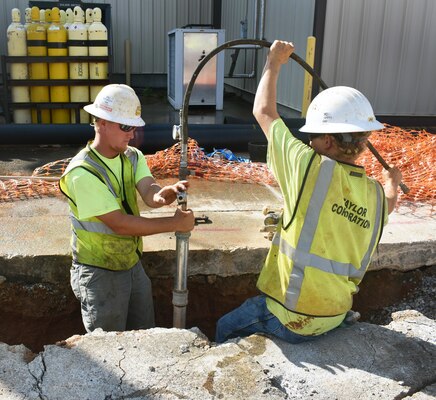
<point x="144" y="22"/>
<point x="290" y="20"/>
<point x="233" y="13"/>
<point x="386" y="49"/>
<point x="6" y="7"/>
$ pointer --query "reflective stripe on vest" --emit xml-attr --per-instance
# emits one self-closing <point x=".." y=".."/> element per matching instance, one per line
<point x="129" y="153"/>
<point x="96" y="227"/>
<point x="102" y="171"/>
<point x="301" y="256"/>
<point x="89" y="226"/>
<point x="133" y="157"/>
<point x="91" y="239"/>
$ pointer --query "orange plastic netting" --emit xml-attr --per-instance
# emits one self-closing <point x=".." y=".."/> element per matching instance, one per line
<point x="413" y="151"/>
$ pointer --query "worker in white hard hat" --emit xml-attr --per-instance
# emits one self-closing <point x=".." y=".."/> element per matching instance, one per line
<point x="333" y="214"/>
<point x="101" y="184"/>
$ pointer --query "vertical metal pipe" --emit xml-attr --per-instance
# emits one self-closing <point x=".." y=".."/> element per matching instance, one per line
<point x="318" y="32"/>
<point x="128" y="60"/>
<point x="262" y="20"/>
<point x="255" y="18"/>
<point x="258" y="32"/>
<point x="180" y="292"/>
<point x="216" y="13"/>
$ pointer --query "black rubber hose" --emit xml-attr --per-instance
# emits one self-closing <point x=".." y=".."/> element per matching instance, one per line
<point x="232" y="43"/>
<point x="262" y="43"/>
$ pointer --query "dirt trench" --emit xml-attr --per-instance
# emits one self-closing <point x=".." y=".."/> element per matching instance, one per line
<point x="39" y="314"/>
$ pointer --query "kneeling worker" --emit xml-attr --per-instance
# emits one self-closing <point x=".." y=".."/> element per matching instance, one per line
<point x="101" y="184"/>
<point x="333" y="214"/>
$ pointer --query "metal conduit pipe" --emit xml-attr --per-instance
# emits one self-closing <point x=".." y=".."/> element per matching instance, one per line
<point x="259" y="30"/>
<point x="128" y="60"/>
<point x="262" y="20"/>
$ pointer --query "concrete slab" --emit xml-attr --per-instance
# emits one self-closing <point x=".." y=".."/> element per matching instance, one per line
<point x="39" y="230"/>
<point x="361" y="361"/>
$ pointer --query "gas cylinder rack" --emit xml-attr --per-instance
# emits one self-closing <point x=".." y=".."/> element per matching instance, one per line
<point x="75" y="106"/>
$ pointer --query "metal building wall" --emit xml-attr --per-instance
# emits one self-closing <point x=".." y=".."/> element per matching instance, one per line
<point x="144" y="22"/>
<point x="6" y="7"/>
<point x="290" y="20"/>
<point x="386" y="49"/>
<point x="382" y="47"/>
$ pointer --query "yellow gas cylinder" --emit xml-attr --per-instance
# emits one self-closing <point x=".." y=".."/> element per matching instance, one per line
<point x="78" y="46"/>
<point x="41" y="16"/>
<point x="17" y="46"/>
<point x="36" y="46"/>
<point x="57" y="46"/>
<point x="27" y="17"/>
<point x="89" y="17"/>
<point x="63" y="17"/>
<point x="98" y="46"/>
<point x="47" y="16"/>
<point x="69" y="18"/>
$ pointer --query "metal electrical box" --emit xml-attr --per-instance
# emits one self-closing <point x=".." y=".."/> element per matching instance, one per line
<point x="186" y="49"/>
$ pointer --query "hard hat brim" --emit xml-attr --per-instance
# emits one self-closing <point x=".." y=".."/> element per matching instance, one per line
<point x="100" y="113"/>
<point x="332" y="128"/>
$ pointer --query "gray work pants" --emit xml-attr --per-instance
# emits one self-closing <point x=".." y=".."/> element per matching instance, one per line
<point x="113" y="300"/>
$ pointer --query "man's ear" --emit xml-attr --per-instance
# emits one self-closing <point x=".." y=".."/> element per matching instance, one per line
<point x="329" y="141"/>
<point x="102" y="125"/>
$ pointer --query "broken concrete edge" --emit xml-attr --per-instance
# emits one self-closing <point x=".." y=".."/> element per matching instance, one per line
<point x="360" y="361"/>
<point x="404" y="256"/>
<point x="54" y="269"/>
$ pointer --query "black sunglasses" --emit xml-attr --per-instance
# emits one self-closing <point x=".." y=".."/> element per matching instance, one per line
<point x="126" y="128"/>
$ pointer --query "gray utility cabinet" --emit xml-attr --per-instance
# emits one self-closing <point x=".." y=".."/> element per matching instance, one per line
<point x="186" y="49"/>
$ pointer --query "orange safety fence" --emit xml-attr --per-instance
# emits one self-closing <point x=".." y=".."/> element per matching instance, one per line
<point x="165" y="164"/>
<point x="413" y="151"/>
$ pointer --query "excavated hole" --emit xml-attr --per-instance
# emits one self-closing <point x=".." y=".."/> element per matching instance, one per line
<point x="39" y="314"/>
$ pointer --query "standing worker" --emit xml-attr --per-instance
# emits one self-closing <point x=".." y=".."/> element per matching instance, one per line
<point x="101" y="183"/>
<point x="333" y="214"/>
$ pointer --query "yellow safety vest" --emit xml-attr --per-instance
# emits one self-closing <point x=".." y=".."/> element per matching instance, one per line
<point x="321" y="253"/>
<point x="92" y="242"/>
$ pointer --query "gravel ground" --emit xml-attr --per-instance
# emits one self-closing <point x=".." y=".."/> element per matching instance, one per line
<point x="423" y="299"/>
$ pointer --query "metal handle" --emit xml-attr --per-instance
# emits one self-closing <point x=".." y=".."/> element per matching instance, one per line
<point x="385" y="165"/>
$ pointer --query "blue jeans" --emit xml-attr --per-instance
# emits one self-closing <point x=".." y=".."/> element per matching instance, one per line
<point x="251" y="317"/>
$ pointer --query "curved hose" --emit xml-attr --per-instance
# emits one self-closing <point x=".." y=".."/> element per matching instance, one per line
<point x="232" y="43"/>
<point x="184" y="110"/>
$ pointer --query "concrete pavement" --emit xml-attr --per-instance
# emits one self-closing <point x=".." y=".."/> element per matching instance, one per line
<point x="39" y="229"/>
<point x="362" y="361"/>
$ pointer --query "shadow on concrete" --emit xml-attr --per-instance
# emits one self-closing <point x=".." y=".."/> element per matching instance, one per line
<point x="373" y="349"/>
<point x="111" y="366"/>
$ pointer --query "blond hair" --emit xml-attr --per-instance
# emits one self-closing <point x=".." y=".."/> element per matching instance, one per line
<point x="351" y="144"/>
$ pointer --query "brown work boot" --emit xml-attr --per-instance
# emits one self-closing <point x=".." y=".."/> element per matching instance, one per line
<point x="352" y="317"/>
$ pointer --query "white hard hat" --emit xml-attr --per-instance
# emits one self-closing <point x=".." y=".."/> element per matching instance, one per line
<point x="117" y="103"/>
<point x="340" y="109"/>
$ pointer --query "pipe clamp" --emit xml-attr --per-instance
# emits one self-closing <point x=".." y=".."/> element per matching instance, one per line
<point x="180" y="298"/>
